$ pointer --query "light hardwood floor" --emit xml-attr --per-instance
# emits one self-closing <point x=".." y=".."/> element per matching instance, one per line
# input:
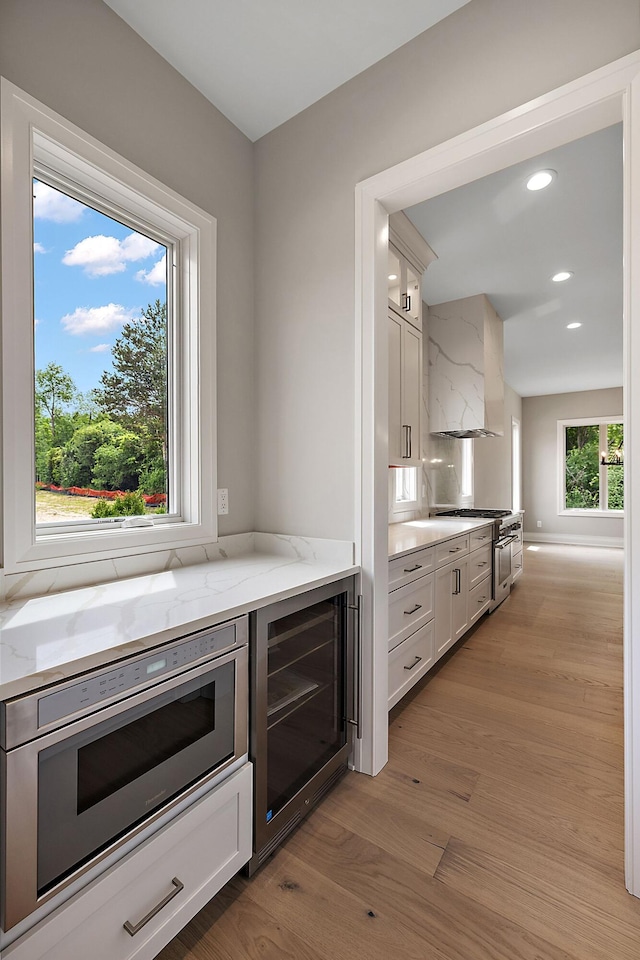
<point x="495" y="832"/>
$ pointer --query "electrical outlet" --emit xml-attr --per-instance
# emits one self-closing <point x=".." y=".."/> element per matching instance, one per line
<point x="538" y="522"/>
<point x="223" y="501"/>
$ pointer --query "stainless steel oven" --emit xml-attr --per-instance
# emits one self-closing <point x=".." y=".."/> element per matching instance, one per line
<point x="90" y="762"/>
<point x="505" y="535"/>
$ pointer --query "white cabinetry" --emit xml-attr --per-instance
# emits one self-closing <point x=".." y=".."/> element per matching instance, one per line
<point x="516" y="557"/>
<point x="435" y="595"/>
<point x="452" y="586"/>
<point x="409" y="257"/>
<point x="405" y="392"/>
<point x="156" y="889"/>
<point x="411" y="609"/>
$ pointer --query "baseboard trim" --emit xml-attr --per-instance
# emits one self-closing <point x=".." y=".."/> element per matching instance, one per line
<point x="574" y="539"/>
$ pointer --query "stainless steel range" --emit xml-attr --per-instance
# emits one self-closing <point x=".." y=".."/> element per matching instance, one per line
<point x="507" y="528"/>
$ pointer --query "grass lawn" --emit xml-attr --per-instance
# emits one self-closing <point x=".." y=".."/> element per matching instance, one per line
<point x="59" y="506"/>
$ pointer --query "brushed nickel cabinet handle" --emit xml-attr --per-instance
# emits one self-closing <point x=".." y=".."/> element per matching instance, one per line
<point x="417" y="607"/>
<point x="414" y="664"/>
<point x="133" y="928"/>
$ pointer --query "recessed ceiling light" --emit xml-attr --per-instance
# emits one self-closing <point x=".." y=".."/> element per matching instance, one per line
<point x="573" y="326"/>
<point x="562" y="276"/>
<point x="393" y="276"/>
<point x="540" y="180"/>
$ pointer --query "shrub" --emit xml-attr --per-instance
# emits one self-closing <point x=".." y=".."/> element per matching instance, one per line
<point x="129" y="504"/>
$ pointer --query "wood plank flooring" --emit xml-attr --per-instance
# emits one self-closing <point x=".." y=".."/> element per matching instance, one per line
<point x="495" y="832"/>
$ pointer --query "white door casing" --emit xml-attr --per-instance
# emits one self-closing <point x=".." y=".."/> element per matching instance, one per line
<point x="608" y="95"/>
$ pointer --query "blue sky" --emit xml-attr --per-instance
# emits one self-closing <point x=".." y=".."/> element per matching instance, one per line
<point x="91" y="275"/>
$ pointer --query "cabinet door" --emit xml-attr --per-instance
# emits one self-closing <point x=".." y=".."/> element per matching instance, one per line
<point x="413" y="296"/>
<point x="405" y="392"/>
<point x="395" y="326"/>
<point x="412" y="390"/>
<point x="460" y="615"/>
<point x="445" y="585"/>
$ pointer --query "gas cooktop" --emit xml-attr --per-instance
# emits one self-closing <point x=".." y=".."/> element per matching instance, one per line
<point x="474" y="512"/>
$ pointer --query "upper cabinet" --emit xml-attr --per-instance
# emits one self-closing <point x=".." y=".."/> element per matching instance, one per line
<point x="409" y="257"/>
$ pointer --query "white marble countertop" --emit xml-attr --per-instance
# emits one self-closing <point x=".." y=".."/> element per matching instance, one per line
<point x="413" y="534"/>
<point x="50" y="638"/>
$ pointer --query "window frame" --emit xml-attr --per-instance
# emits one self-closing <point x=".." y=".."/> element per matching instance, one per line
<point x="401" y="509"/>
<point x="563" y="510"/>
<point x="35" y="138"/>
<point x="516" y="465"/>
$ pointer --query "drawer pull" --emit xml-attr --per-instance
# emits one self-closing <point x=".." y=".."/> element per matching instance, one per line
<point x="418" y="566"/>
<point x="483" y="564"/>
<point x="482" y="600"/>
<point x="414" y="664"/>
<point x="415" y="609"/>
<point x="455" y="549"/>
<point x="133" y="928"/>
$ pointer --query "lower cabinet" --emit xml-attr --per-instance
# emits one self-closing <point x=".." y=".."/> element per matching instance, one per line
<point x="452" y="587"/>
<point x="436" y="595"/>
<point x="409" y="661"/>
<point x="137" y="906"/>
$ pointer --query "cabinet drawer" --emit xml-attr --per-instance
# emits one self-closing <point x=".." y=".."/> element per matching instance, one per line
<point x="479" y="600"/>
<point x="202" y="849"/>
<point x="409" y="662"/>
<point x="450" y="550"/>
<point x="516" y="563"/>
<point x="410" y="607"/>
<point x="479" y="565"/>
<point x="415" y="565"/>
<point x="480" y="538"/>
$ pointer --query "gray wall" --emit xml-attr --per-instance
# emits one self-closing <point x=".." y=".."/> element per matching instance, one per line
<point x="83" y="61"/>
<point x="486" y="58"/>
<point x="540" y="417"/>
<point x="492" y="459"/>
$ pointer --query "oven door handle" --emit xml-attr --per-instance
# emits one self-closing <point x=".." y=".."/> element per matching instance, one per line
<point x="501" y="544"/>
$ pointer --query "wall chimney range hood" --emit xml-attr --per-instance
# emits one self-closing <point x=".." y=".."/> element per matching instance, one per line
<point x="466" y="378"/>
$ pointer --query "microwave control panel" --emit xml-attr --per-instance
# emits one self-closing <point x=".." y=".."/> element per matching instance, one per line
<point x="130" y="674"/>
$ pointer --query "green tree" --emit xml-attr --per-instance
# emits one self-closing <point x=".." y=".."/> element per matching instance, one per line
<point x="78" y="458"/>
<point x="54" y="391"/>
<point x="135" y="393"/>
<point x="118" y="463"/>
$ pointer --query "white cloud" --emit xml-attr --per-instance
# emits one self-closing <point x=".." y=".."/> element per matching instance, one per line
<point x="96" y="319"/>
<point x="157" y="274"/>
<point x="100" y="255"/>
<point x="38" y="248"/>
<point x="50" y="204"/>
<point x="100" y="348"/>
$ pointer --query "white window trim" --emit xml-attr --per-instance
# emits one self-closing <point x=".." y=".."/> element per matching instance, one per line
<point x="516" y="465"/>
<point x="28" y="127"/>
<point x="400" y="510"/>
<point x="577" y="511"/>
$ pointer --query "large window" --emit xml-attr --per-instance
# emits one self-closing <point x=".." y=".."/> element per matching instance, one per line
<point x="108" y="332"/>
<point x="102" y="446"/>
<point x="591" y="457"/>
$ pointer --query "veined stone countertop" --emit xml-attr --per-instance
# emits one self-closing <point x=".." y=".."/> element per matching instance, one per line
<point x="413" y="534"/>
<point x="46" y="639"/>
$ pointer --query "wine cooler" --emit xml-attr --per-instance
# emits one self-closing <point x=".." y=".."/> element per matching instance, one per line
<point x="305" y="703"/>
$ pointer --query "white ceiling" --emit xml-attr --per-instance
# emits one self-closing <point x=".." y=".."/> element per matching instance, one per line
<point x="260" y="62"/>
<point x="494" y="236"/>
